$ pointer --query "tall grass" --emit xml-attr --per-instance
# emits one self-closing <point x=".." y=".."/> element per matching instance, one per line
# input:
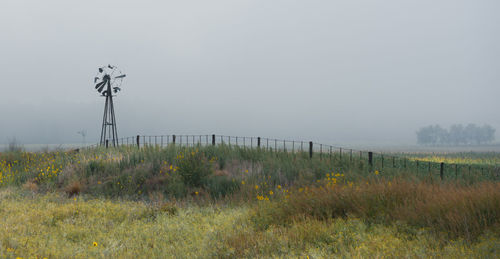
<point x="456" y="211"/>
<point x="52" y="225"/>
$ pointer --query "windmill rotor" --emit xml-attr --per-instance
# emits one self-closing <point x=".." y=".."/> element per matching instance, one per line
<point x="108" y="77"/>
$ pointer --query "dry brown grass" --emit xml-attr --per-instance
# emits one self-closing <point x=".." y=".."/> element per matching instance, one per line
<point x="74" y="188"/>
<point x="31" y="186"/>
<point x="450" y="209"/>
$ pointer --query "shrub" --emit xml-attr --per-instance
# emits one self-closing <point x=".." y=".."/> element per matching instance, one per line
<point x="194" y="168"/>
<point x="220" y="186"/>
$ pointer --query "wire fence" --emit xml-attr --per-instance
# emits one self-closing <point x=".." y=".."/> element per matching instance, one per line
<point x="373" y="160"/>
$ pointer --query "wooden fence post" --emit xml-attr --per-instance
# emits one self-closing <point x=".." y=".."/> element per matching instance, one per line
<point x="138" y="140"/>
<point x="370" y="158"/>
<point x="258" y="142"/>
<point x="310" y="149"/>
<point x="107" y="142"/>
<point x="441" y="171"/>
<point x="173" y="139"/>
<point x="213" y="139"/>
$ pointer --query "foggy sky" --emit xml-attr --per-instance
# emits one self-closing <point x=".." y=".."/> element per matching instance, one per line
<point x="331" y="71"/>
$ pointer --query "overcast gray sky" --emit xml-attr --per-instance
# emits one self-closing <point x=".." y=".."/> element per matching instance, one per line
<point x="332" y="71"/>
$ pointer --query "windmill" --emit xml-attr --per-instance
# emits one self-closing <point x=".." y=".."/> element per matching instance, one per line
<point x="107" y="82"/>
<point x="83" y="133"/>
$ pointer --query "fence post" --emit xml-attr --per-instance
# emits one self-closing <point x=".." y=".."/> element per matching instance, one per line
<point x="138" y="140"/>
<point x="441" y="171"/>
<point x="340" y="153"/>
<point x="173" y="139"/>
<point x="310" y="149"/>
<point x="456" y="171"/>
<point x="370" y="158"/>
<point x="258" y="142"/>
<point x="107" y="142"/>
<point x="213" y="139"/>
<point x="382" y="161"/>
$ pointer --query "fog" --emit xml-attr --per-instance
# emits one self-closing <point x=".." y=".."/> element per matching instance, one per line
<point x="339" y="72"/>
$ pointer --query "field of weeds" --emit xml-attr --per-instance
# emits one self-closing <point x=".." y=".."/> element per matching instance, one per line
<point x="52" y="225"/>
<point x="226" y="202"/>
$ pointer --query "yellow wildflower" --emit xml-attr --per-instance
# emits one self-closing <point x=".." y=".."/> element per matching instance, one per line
<point x="94" y="244"/>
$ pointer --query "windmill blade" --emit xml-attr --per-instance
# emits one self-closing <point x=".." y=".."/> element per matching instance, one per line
<point x="100" y="70"/>
<point x="95" y="79"/>
<point x="116" y="89"/>
<point x="120" y="76"/>
<point x="110" y="66"/>
<point x="101" y="84"/>
<point x="100" y="88"/>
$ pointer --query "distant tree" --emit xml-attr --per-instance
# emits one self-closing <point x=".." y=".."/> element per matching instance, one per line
<point x="424" y="136"/>
<point x="430" y="135"/>
<point x="486" y="135"/>
<point x="471" y="134"/>
<point x="456" y="135"/>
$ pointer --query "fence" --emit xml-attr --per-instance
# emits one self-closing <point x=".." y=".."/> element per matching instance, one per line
<point x="373" y="160"/>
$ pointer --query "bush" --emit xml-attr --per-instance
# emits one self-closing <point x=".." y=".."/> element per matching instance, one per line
<point x="194" y="168"/>
<point x="220" y="186"/>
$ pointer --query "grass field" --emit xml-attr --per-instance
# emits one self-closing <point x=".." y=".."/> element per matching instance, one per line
<point x="226" y="202"/>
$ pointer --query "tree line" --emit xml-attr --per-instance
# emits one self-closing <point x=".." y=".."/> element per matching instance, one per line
<point x="457" y="134"/>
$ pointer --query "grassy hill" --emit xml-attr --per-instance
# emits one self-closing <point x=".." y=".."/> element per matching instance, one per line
<point x="226" y="201"/>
